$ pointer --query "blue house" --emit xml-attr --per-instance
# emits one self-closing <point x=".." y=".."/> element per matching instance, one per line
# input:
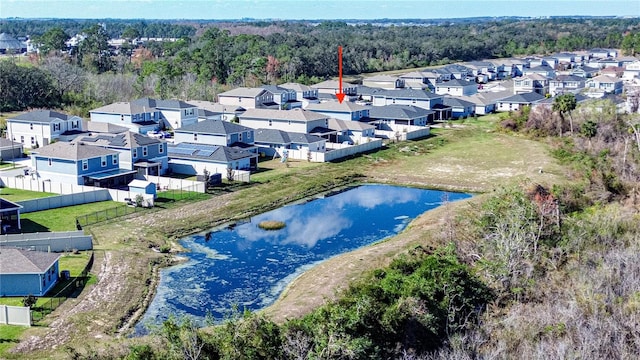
<point x="80" y="164"/>
<point x="194" y="159"/>
<point x="460" y="108"/>
<point x="26" y="272"/>
<point x="145" y="155"/>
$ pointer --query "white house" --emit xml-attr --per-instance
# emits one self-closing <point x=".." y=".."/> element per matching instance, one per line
<point x="352" y="132"/>
<point x="38" y="128"/>
<point x="345" y="111"/>
<point x="248" y="98"/>
<point x="384" y="82"/>
<point x="296" y="120"/>
<point x="516" y="102"/>
<point x="456" y="87"/>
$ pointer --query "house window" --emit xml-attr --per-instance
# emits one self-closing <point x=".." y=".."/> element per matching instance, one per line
<point x="195" y="137"/>
<point x="270" y="122"/>
<point x="239" y="99"/>
<point x="144" y="151"/>
<point x="30" y="126"/>
<point x="50" y="161"/>
<point x="22" y="139"/>
<point x="103" y="161"/>
<point x="121" y="117"/>
<point x="240" y="137"/>
<point x="56" y="127"/>
<point x="33" y="141"/>
<point x="74" y="124"/>
<point x="160" y="148"/>
<point x="85" y="165"/>
<point x="135" y="153"/>
<point x="114" y="159"/>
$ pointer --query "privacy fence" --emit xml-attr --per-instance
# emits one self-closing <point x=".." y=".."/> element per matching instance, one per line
<point x="60" y="241"/>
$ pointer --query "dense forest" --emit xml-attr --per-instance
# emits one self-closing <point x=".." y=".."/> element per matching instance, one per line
<point x="206" y="58"/>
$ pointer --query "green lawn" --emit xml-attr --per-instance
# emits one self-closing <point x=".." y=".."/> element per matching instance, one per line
<point x="9" y="337"/>
<point x="17" y="194"/>
<point x="61" y="219"/>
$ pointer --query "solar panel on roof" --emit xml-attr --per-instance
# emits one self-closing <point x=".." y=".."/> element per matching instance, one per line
<point x="205" y="153"/>
<point x="181" y="151"/>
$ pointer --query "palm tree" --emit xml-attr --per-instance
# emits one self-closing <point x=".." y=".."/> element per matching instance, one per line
<point x="565" y="104"/>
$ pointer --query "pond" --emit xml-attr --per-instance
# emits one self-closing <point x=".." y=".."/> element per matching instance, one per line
<point x="246" y="267"/>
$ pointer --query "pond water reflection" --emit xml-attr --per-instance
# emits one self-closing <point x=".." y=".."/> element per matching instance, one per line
<point x="248" y="267"/>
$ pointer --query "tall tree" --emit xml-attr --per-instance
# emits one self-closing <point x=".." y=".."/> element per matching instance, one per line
<point x="93" y="51"/>
<point x="564" y="104"/>
<point x="53" y="40"/>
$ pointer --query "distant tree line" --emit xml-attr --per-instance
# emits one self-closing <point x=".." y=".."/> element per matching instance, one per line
<point x="210" y="57"/>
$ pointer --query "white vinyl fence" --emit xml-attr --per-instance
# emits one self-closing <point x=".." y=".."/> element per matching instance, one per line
<point x="59" y="241"/>
<point x="15" y="315"/>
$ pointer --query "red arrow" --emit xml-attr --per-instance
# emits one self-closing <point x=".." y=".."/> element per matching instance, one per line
<point x="340" y="94"/>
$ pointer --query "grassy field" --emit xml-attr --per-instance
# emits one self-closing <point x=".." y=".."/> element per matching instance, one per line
<point x="9" y="336"/>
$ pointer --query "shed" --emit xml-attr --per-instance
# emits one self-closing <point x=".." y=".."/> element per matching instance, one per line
<point x="27" y="272"/>
<point x="143" y="187"/>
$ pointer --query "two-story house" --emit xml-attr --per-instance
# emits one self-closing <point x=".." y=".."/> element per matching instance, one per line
<point x="175" y="113"/>
<point x="138" y="152"/>
<point x="40" y="127"/>
<point x="420" y="80"/>
<point x="460" y="108"/>
<point x="456" y="87"/>
<point x="585" y="71"/>
<point x="606" y="84"/>
<point x="248" y="98"/>
<point x="388" y="116"/>
<point x="343" y="111"/>
<point x="285" y="98"/>
<point x="332" y="87"/>
<point x="208" y="110"/>
<point x="352" y="132"/>
<point x="80" y="164"/>
<point x="305" y="94"/>
<point x="483" y="70"/>
<point x="216" y="132"/>
<point x="139" y="116"/>
<point x="517" y="102"/>
<point x="566" y="84"/>
<point x="296" y="120"/>
<point x="293" y="145"/>
<point x="384" y="82"/>
<point x="544" y="70"/>
<point x="531" y="83"/>
<point x="420" y="98"/>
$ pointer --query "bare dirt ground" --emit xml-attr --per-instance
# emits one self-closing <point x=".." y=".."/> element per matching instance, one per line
<point x="106" y="310"/>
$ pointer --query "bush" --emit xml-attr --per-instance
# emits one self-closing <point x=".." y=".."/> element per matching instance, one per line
<point x="29" y="300"/>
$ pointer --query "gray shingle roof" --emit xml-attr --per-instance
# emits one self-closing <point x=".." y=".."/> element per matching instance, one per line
<point x="9" y="42"/>
<point x="104" y="127"/>
<point x="212" y="153"/>
<point x="16" y="261"/>
<point x="337" y="124"/>
<point x="293" y="115"/>
<point x="215" y="127"/>
<point x="72" y="151"/>
<point x="454" y="101"/>
<point x="125" y="140"/>
<point x="6" y="143"/>
<point x="42" y="116"/>
<point x="334" y="106"/>
<point x="397" y="111"/>
<point x="274" y="89"/>
<point x="297" y="87"/>
<point x="526" y="98"/>
<point x="244" y="92"/>
<point x="408" y="94"/>
<point x="274" y="136"/>
<point x="455" y="83"/>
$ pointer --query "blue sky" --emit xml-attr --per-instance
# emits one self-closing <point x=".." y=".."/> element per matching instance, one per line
<point x="311" y="9"/>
